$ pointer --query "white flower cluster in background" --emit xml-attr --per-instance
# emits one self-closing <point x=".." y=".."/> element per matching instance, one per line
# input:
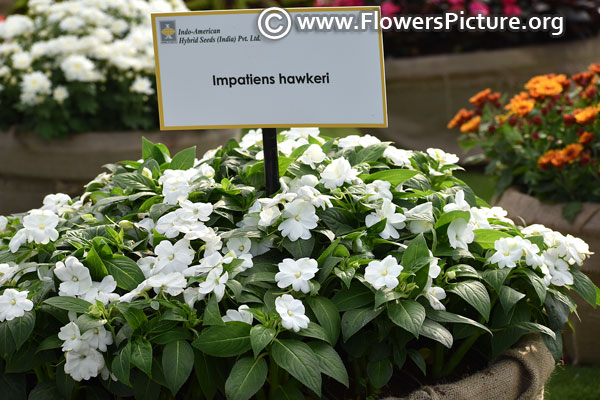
<point x="60" y="44"/>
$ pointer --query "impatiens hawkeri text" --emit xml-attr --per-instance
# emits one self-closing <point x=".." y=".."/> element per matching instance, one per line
<point x="362" y="238"/>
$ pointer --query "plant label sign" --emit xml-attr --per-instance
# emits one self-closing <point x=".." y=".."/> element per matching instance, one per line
<point x="223" y="69"/>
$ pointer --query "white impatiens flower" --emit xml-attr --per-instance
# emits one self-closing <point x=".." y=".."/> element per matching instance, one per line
<point x="215" y="282"/>
<point x="13" y="304"/>
<point x="398" y="157"/>
<point x="75" y="277"/>
<point x="147" y="265"/>
<point x="142" y="85"/>
<point x="3" y="223"/>
<point x="442" y="157"/>
<point x="6" y="273"/>
<point x="394" y="220"/>
<point x="352" y="141"/>
<point x="269" y="215"/>
<point x="208" y="263"/>
<point x="98" y="338"/>
<point x="574" y="250"/>
<point x="292" y="313"/>
<point x="71" y="337"/>
<point x="379" y="190"/>
<point x="383" y="273"/>
<point x="299" y="218"/>
<point x="252" y="138"/>
<point x="239" y="245"/>
<point x="508" y="252"/>
<point x="54" y="202"/>
<point x="435" y="294"/>
<point x="173" y="257"/>
<point x="558" y="268"/>
<point x="177" y="184"/>
<point x="84" y="363"/>
<point x="296" y="273"/>
<point x="434" y="268"/>
<point x="313" y="156"/>
<point x="168" y="225"/>
<point x="241" y="314"/>
<point x="337" y="173"/>
<point x="40" y="226"/>
<point x="172" y="283"/>
<point x="102" y="291"/>
<point x="303" y="134"/>
<point x="419" y="219"/>
<point x="459" y="203"/>
<point x="460" y="234"/>
<point x="194" y="211"/>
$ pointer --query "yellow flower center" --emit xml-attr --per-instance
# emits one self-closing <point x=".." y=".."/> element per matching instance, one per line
<point x="75" y="279"/>
<point x="171" y="257"/>
<point x="298" y="274"/>
<point x="290" y="313"/>
<point x="13" y="302"/>
<point x="297" y="218"/>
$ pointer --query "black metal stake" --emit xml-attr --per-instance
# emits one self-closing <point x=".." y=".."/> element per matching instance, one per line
<point x="271" y="160"/>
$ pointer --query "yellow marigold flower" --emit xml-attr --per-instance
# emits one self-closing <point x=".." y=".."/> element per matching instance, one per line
<point x="585" y="115"/>
<point x="572" y="152"/>
<point x="520" y="107"/>
<point x="471" y="125"/>
<point x="548" y="87"/>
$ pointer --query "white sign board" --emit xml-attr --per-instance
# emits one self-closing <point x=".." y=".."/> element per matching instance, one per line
<point x="214" y="69"/>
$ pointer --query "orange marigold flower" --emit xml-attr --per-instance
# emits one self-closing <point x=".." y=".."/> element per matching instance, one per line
<point x="548" y="87"/>
<point x="572" y="152"/>
<point x="480" y="98"/>
<point x="583" y="78"/>
<point x="585" y="115"/>
<point x="561" y="79"/>
<point x="586" y="137"/>
<point x="462" y="116"/>
<point x="595" y="68"/>
<point x="589" y="92"/>
<point x="545" y="160"/>
<point x="471" y="125"/>
<point x="521" y="107"/>
<point x="535" y="80"/>
<point x="559" y="159"/>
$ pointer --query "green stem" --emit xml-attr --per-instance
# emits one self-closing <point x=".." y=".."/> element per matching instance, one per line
<point x="460" y="353"/>
<point x="273" y="377"/>
<point x="438" y="361"/>
<point x="39" y="374"/>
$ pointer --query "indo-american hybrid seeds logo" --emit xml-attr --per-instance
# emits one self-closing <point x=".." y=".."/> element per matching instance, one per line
<point x="168" y="34"/>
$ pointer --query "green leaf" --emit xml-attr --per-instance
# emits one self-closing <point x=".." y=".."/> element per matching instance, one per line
<point x="209" y="373"/>
<point x="260" y="337"/>
<point x="184" y="159"/>
<point x="508" y="336"/>
<point x="224" y="341"/>
<point x="7" y="343"/>
<point x="355" y="320"/>
<point x="121" y="364"/>
<point x="448" y="217"/>
<point x="289" y="391"/>
<point x="69" y="303"/>
<point x="134" y="181"/>
<point x="147" y="147"/>
<point x="461" y="271"/>
<point x="212" y="314"/>
<point x="125" y="271"/>
<point x="51" y="342"/>
<point x="418" y="359"/>
<point x="44" y="391"/>
<point x="300" y="248"/>
<point x="177" y="363"/>
<point x="393" y="176"/>
<point x="21" y="328"/>
<point x="13" y="386"/>
<point x="444" y="316"/>
<point x="417" y="249"/>
<point x="141" y="355"/>
<point x="486" y="238"/>
<point x="379" y="372"/>
<point x="367" y="154"/>
<point x="145" y="388"/>
<point x="95" y="265"/>
<point x="64" y="383"/>
<point x="338" y="219"/>
<point x="330" y="362"/>
<point x="407" y="314"/>
<point x="328" y="316"/>
<point x="584" y="286"/>
<point x="246" y="378"/>
<point x="570" y="210"/>
<point x="299" y="360"/>
<point x="357" y="296"/>
<point x="536" y="282"/>
<point x="134" y="316"/>
<point x="474" y="293"/>
<point x="437" y="332"/>
<point x="509" y="297"/>
<point x="495" y="277"/>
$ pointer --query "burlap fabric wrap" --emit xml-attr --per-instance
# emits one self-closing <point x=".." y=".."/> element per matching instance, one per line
<point x="580" y="346"/>
<point x="519" y="374"/>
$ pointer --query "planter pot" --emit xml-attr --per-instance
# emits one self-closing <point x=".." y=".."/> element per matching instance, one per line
<point x="32" y="167"/>
<point x="425" y="92"/>
<point x="520" y="373"/>
<point x="581" y="345"/>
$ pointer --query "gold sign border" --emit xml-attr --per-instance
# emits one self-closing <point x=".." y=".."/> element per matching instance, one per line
<point x="258" y="11"/>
